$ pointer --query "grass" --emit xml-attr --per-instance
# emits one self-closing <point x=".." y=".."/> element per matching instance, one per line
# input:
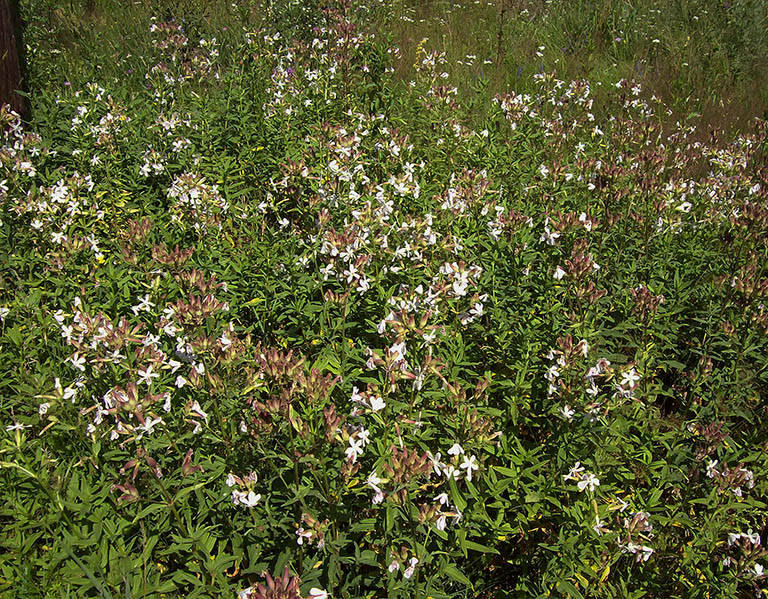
<point x="702" y="57"/>
<point x="699" y="57"/>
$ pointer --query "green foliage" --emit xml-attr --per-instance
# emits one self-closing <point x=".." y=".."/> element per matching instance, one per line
<point x="281" y="317"/>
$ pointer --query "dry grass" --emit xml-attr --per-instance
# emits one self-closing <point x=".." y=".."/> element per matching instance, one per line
<point x="695" y="61"/>
<point x="697" y="56"/>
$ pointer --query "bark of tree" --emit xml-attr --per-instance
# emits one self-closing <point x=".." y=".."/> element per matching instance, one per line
<point x="11" y="55"/>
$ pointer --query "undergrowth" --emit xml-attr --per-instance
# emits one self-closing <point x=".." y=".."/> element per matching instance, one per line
<point x="292" y="310"/>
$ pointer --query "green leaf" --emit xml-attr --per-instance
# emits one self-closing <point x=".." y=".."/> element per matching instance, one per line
<point x="454" y="573"/>
<point x="480" y="548"/>
<point x="568" y="588"/>
<point x="103" y="591"/>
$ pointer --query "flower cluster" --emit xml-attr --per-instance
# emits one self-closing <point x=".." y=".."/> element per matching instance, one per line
<point x="244" y="494"/>
<point x="196" y="204"/>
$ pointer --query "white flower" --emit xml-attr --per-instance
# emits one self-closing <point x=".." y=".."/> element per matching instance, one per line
<point x="374" y="481"/>
<point x="225" y="341"/>
<point x="456" y="449"/>
<point x="552" y="373"/>
<point x="549" y="237"/>
<point x="559" y="273"/>
<point x="437" y="465"/>
<point x="574" y="472"/>
<point x="641" y="552"/>
<point x="383" y="325"/>
<point x="460" y="286"/>
<point x="599" y="526"/>
<point x="476" y="309"/>
<point x="588" y="481"/>
<point x="469" y="464"/>
<point x="148" y="427"/>
<point x="144" y="305"/>
<point x="146" y="376"/>
<point x="630" y="378"/>
<point x="196" y="409"/>
<point x="450" y="471"/>
<point x="750" y="477"/>
<point x="302" y="534"/>
<point x="355" y="449"/>
<point x="364" y="436"/>
<point x="249" y="499"/>
<point x="17" y="426"/>
<point x="598" y="369"/>
<point x="410" y="569"/>
<point x="316" y="593"/>
<point x="398" y="351"/>
<point x="351" y="273"/>
<point x="418" y="382"/>
<point x="567" y="412"/>
<point x="78" y="362"/>
<point x="441" y="523"/>
<point x="377" y="403"/>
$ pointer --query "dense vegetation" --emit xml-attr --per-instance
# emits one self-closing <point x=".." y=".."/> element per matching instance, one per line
<point x="290" y="309"/>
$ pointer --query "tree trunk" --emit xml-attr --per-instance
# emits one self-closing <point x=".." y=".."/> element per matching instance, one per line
<point x="11" y="52"/>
